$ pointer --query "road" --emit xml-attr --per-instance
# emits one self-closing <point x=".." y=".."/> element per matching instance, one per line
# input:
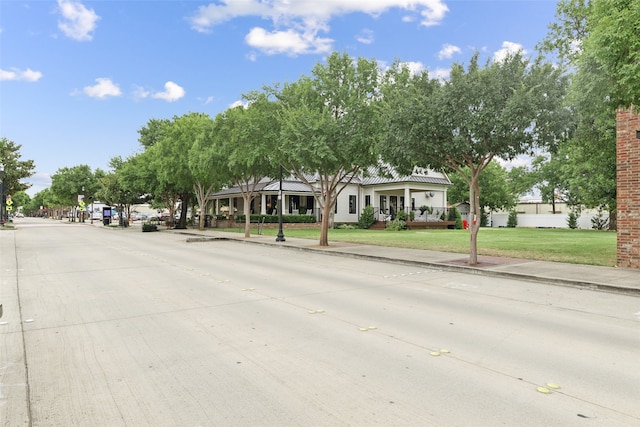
<point x="121" y="328"/>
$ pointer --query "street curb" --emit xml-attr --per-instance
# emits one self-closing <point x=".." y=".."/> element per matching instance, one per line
<point x="579" y="284"/>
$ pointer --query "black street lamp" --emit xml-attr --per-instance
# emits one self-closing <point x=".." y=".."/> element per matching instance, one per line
<point x="2" y="201"/>
<point x="280" y="237"/>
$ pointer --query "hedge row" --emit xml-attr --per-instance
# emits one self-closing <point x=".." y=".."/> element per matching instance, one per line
<point x="307" y="219"/>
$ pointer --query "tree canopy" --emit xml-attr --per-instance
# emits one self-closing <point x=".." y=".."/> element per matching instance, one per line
<point x="70" y="182"/>
<point x="330" y="127"/>
<point x="614" y="42"/>
<point x="501" y="110"/>
<point x="247" y="138"/>
<point x="600" y="41"/>
<point x="15" y="169"/>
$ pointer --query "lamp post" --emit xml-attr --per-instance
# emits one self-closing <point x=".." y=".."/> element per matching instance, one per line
<point x="2" y="195"/>
<point x="280" y="237"/>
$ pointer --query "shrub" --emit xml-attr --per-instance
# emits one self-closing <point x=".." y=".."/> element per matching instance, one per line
<point x="366" y="217"/>
<point x="512" y="221"/>
<point x="273" y="219"/>
<point x="149" y="227"/>
<point x="396" y="225"/>
<point x="484" y="219"/>
<point x="572" y="220"/>
<point x="454" y="216"/>
<point x="402" y="216"/>
<point x="345" y="226"/>
<point x="598" y="222"/>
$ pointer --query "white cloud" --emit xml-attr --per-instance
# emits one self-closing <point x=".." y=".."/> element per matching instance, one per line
<point x="172" y="92"/>
<point x="414" y="67"/>
<point x="440" y="73"/>
<point x="508" y="48"/>
<point x="433" y="14"/>
<point x="104" y="88"/>
<point x="298" y="23"/>
<point x="290" y="42"/>
<point x="365" y="36"/>
<point x="447" y="51"/>
<point x="77" y="22"/>
<point x="239" y="103"/>
<point x="140" y="93"/>
<point x="27" y="75"/>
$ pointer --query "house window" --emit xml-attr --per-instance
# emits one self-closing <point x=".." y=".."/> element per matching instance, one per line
<point x="352" y="204"/>
<point x="367" y="200"/>
<point x="393" y="205"/>
<point x="383" y="204"/>
<point x="310" y="202"/>
<point x="294" y="202"/>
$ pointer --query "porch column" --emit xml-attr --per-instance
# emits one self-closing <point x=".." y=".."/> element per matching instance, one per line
<point x="263" y="204"/>
<point x="407" y="200"/>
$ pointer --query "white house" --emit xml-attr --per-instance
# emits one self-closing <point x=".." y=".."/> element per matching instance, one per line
<point x="387" y="194"/>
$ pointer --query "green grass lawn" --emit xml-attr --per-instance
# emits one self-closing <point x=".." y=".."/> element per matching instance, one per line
<point x="560" y="245"/>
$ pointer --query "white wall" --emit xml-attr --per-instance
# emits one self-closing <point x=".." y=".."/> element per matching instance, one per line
<point x="343" y="214"/>
<point x="543" y="220"/>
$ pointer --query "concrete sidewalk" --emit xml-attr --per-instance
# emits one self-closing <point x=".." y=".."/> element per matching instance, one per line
<point x="607" y="279"/>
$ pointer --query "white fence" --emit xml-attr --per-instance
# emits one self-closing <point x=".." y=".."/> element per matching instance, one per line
<point x="545" y="220"/>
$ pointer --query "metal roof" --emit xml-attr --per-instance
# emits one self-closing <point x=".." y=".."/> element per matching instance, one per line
<point x="373" y="176"/>
<point x="267" y="186"/>
<point x="290" y="186"/>
<point x="376" y="180"/>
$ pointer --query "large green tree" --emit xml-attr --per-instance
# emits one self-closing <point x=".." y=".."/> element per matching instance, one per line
<point x="551" y="178"/>
<point x="614" y="42"/>
<point x="207" y="162"/>
<point x="114" y="190"/>
<point x="330" y="127"/>
<point x="15" y="169"/>
<point x="68" y="183"/>
<point x="248" y="137"/>
<point x="167" y="145"/>
<point x="172" y="160"/>
<point x="501" y="110"/>
<point x="599" y="40"/>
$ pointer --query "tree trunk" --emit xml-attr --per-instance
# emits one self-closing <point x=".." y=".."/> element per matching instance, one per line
<point x="613" y="219"/>
<point x="324" y="229"/>
<point x="474" y="223"/>
<point x="247" y="215"/>
<point x="198" y="189"/>
<point x="182" y="223"/>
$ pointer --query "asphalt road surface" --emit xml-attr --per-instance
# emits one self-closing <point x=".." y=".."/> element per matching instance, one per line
<point x="122" y="328"/>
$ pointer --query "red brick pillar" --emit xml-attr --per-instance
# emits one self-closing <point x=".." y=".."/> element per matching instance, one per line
<point x="628" y="181"/>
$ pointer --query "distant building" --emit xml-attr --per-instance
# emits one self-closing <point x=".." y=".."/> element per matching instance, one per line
<point x="388" y="194"/>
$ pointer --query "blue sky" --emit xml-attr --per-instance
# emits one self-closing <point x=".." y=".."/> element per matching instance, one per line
<point x="79" y="78"/>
